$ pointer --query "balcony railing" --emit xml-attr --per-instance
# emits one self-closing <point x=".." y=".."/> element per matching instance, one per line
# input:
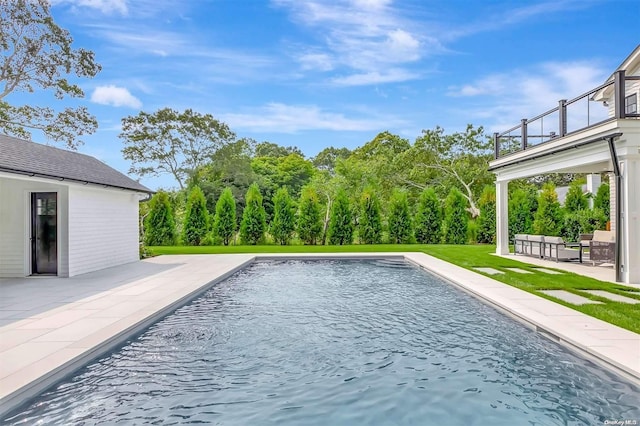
<point x="568" y="117"/>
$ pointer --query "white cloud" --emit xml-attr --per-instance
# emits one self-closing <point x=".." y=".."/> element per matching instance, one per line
<point x="505" y="98"/>
<point x="316" y="61"/>
<point x="115" y="96"/>
<point x="282" y="118"/>
<point x="361" y="36"/>
<point x="107" y="7"/>
<point x="375" y="77"/>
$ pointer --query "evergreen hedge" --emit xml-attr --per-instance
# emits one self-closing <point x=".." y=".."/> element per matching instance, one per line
<point x="284" y="217"/>
<point x="456" y="218"/>
<point x="428" y="222"/>
<point x="159" y="225"/>
<point x="602" y="201"/>
<point x="370" y="221"/>
<point x="548" y="218"/>
<point x="196" y="219"/>
<point x="400" y="224"/>
<point x="575" y="200"/>
<point x="340" y="230"/>
<point x="224" y="222"/>
<point x="309" y="224"/>
<point x="253" y="225"/>
<point x="486" y="221"/>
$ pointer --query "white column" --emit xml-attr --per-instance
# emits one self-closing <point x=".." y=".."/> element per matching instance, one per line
<point x="502" y="217"/>
<point x="593" y="183"/>
<point x="631" y="219"/>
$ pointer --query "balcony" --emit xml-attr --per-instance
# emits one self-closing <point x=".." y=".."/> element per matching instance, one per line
<point x="606" y="103"/>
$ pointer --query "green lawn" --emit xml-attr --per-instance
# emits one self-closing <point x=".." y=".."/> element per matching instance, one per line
<point x="469" y="256"/>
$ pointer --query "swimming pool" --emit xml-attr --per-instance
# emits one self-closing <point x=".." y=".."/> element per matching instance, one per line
<point x="337" y="342"/>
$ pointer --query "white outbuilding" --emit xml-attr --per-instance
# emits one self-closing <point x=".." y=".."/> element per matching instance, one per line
<point x="63" y="213"/>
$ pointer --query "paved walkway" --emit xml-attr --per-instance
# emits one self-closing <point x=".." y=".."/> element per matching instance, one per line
<point x="51" y="326"/>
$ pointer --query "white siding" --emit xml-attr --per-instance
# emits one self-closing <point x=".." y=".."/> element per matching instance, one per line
<point x="103" y="228"/>
<point x="15" y="225"/>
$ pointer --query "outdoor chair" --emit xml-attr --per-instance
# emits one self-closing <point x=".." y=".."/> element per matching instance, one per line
<point x="521" y="244"/>
<point x="556" y="248"/>
<point x="602" y="248"/>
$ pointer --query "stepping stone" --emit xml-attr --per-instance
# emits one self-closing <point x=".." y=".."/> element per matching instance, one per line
<point x="612" y="296"/>
<point x="568" y="297"/>
<point x="489" y="271"/>
<point x="548" y="271"/>
<point x="519" y="271"/>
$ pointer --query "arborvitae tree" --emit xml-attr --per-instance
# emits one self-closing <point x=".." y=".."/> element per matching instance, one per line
<point x="400" y="224"/>
<point x="576" y="200"/>
<point x="429" y="218"/>
<point x="253" y="223"/>
<point x="224" y="223"/>
<point x="601" y="201"/>
<point x="341" y="221"/>
<point x="486" y="222"/>
<point x="370" y="222"/>
<point x="159" y="225"/>
<point x="196" y="218"/>
<point x="548" y="218"/>
<point x="521" y="210"/>
<point x="284" y="217"/>
<point x="455" y="218"/>
<point x="309" y="217"/>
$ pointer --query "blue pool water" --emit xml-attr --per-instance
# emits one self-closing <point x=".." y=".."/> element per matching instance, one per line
<point x="337" y="343"/>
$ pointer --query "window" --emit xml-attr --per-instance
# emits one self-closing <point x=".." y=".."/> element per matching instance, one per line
<point x="631" y="104"/>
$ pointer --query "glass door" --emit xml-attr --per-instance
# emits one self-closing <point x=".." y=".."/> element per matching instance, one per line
<point x="44" y="233"/>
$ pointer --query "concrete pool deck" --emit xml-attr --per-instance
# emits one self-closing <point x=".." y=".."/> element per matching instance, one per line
<point x="51" y="326"/>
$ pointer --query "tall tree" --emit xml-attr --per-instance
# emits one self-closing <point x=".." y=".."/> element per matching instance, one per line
<point x="400" y="224"/>
<point x="370" y="221"/>
<point x="456" y="220"/>
<point x="284" y="217"/>
<point x="462" y="158"/>
<point x="159" y="224"/>
<point x="429" y="218"/>
<point x="327" y="158"/>
<point x="38" y="55"/>
<point x="224" y="222"/>
<point x="341" y="222"/>
<point x="253" y="223"/>
<point x="309" y="225"/>
<point x="173" y="142"/>
<point x="548" y="219"/>
<point x="196" y="220"/>
<point x="522" y="207"/>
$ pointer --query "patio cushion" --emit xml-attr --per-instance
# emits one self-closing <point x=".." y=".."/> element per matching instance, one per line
<point x="604" y="236"/>
<point x="553" y="240"/>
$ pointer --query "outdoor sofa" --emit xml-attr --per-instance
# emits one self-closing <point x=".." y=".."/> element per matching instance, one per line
<point x="545" y="247"/>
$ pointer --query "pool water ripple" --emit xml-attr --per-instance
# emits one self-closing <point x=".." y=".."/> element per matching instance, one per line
<point x="336" y="343"/>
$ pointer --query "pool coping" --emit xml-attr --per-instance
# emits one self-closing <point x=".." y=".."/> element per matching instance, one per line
<point x="611" y="347"/>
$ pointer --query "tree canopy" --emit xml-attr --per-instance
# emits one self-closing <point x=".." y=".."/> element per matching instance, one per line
<point x="38" y="55"/>
<point x="168" y="141"/>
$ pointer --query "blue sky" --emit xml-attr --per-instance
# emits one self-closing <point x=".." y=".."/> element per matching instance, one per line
<point x="319" y="73"/>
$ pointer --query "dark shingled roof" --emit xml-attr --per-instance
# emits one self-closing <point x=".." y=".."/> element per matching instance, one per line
<point x="33" y="159"/>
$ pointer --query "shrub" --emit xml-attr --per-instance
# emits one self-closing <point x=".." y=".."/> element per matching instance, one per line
<point x="522" y="206"/>
<point x="284" y="217"/>
<point x="370" y="223"/>
<point x="253" y="223"/>
<point x="576" y="200"/>
<point x="196" y="218"/>
<point x="548" y="218"/>
<point x="400" y="226"/>
<point x="602" y="201"/>
<point x="309" y="217"/>
<point x="160" y="227"/>
<point x="224" y="223"/>
<point x="456" y="219"/>
<point x="472" y="231"/>
<point x="591" y="220"/>
<point x="486" y="222"/>
<point x="571" y="228"/>
<point x="341" y="221"/>
<point x="428" y="218"/>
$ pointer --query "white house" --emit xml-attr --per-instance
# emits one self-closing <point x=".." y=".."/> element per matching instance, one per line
<point x="63" y="213"/>
<point x="596" y="132"/>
